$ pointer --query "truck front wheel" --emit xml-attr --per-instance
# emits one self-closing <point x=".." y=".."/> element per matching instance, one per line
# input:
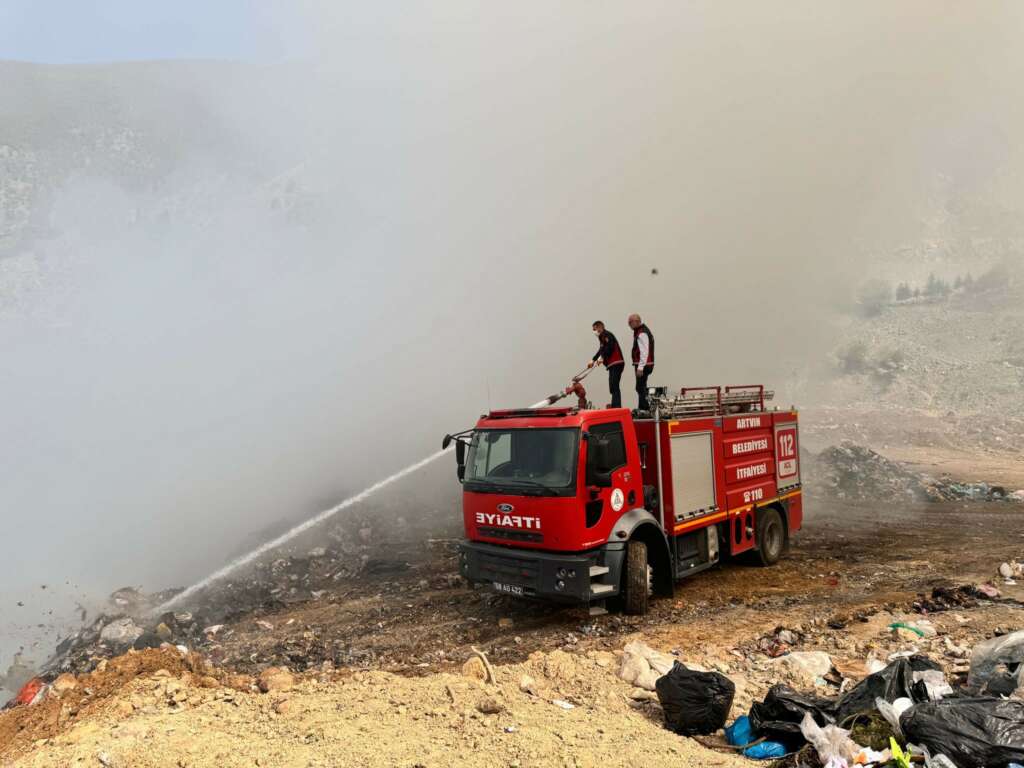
<point x="634" y="579"/>
<point x="771" y="536"/>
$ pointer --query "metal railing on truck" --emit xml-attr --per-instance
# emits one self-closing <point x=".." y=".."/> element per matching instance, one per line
<point x="709" y="401"/>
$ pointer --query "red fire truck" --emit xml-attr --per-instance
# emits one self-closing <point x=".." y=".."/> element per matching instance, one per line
<point x="580" y="505"/>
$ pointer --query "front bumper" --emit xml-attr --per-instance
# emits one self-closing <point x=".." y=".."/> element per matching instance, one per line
<point x="579" y="577"/>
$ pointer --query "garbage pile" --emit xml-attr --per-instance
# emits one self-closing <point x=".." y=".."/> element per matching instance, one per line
<point x="857" y="473"/>
<point x="951" y="490"/>
<point x="129" y="621"/>
<point x="378" y="542"/>
<point x="901" y="713"/>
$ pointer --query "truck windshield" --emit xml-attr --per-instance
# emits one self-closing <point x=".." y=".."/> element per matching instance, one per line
<point x="523" y="461"/>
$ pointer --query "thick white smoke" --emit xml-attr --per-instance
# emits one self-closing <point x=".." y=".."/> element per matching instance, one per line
<point x="269" y="282"/>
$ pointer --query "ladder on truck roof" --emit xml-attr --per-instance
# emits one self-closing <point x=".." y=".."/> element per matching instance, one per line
<point x="709" y="401"/>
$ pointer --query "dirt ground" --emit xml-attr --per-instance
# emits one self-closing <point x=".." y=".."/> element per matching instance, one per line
<point x="381" y="658"/>
<point x="847" y="558"/>
<point x="377" y="719"/>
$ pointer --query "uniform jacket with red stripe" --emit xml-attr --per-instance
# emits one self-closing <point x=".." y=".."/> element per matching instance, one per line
<point x="609" y="351"/>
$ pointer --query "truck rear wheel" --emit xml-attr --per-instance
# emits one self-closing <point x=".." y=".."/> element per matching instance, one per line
<point x="771" y="536"/>
<point x="634" y="579"/>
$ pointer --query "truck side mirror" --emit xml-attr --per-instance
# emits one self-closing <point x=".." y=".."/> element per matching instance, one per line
<point x="460" y="460"/>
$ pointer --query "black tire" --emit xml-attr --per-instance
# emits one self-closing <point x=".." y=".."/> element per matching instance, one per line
<point x="771" y="536"/>
<point x="634" y="579"/>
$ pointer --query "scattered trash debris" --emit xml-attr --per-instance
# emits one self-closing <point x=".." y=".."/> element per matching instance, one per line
<point x="934" y="682"/>
<point x="921" y="628"/>
<point x="950" y="490"/>
<point x="894" y="682"/>
<point x="121" y="632"/>
<point x="31" y="693"/>
<point x="891" y="711"/>
<point x="874" y="665"/>
<point x="830" y="742"/>
<point x="997" y="665"/>
<point x="740" y="734"/>
<point x="782" y="714"/>
<point x="946" y="598"/>
<point x="987" y="590"/>
<point x="1012" y="570"/>
<point x="901" y="758"/>
<point x="869" y="756"/>
<point x="787" y="637"/>
<point x="779" y="716"/>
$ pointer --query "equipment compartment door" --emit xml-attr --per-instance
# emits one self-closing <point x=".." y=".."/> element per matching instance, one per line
<point x="693" y="474"/>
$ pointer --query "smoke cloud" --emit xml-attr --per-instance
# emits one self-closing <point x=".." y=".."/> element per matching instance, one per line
<point x="253" y="288"/>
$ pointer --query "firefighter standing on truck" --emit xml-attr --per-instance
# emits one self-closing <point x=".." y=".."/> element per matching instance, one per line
<point x="643" y="358"/>
<point x="610" y="353"/>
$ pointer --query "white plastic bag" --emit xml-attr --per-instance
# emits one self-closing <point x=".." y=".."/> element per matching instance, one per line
<point x="892" y="712"/>
<point x="829" y="742"/>
<point x="988" y="656"/>
<point x="938" y="761"/>
<point x="934" y="682"/>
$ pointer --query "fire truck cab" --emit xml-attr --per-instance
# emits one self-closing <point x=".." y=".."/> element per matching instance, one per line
<point x="579" y="506"/>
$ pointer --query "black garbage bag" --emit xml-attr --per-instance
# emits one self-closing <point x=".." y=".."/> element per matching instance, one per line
<point x="972" y="732"/>
<point x="894" y="682"/>
<point x="1002" y="683"/>
<point x="778" y="716"/>
<point x="694" y="702"/>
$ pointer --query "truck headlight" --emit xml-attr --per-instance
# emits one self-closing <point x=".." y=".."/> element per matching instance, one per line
<point x="560" y="585"/>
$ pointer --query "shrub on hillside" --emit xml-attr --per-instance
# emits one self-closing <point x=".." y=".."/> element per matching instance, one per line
<point x="873" y="297"/>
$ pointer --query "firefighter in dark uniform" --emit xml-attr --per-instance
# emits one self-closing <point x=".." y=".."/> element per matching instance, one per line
<point x="643" y="358"/>
<point x="610" y="353"/>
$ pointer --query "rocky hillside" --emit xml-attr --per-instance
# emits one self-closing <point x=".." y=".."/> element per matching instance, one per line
<point x="959" y="352"/>
<point x="168" y="134"/>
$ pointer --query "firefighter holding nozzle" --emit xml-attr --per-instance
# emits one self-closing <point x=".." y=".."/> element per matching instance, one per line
<point x="610" y="354"/>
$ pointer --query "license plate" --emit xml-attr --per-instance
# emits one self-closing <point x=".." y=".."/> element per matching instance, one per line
<point x="509" y="589"/>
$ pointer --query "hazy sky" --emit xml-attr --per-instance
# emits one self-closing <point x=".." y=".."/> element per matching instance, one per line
<point x="65" y="31"/>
